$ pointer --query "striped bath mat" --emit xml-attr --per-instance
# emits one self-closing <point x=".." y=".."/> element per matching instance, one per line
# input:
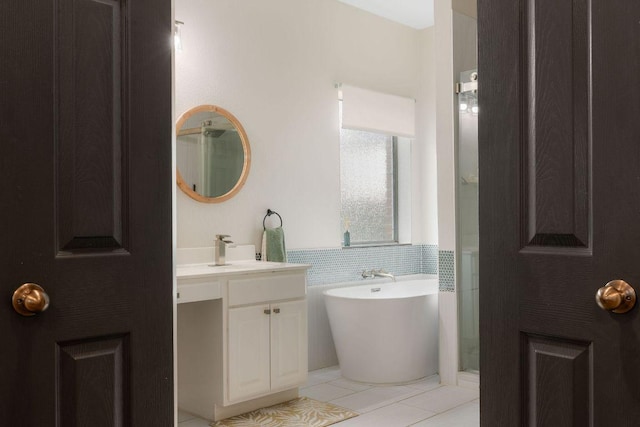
<point x="300" y="412"/>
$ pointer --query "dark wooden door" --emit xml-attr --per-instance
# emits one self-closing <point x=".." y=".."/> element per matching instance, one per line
<point x="85" y="203"/>
<point x="559" y="141"/>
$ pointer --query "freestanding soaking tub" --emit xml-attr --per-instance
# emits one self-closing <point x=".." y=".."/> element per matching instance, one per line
<point x="385" y="333"/>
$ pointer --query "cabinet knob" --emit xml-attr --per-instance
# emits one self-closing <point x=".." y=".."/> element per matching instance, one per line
<point x="267" y="311"/>
<point x="276" y="310"/>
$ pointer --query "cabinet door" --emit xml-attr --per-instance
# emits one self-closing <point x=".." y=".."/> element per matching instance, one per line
<point x="288" y="344"/>
<point x="248" y="351"/>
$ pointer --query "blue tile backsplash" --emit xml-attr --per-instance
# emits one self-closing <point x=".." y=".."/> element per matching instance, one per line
<point x="447" y="271"/>
<point x="346" y="265"/>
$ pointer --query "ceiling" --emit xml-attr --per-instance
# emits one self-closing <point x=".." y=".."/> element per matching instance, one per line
<point x="417" y="14"/>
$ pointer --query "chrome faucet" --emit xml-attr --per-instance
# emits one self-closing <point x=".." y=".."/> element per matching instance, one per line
<point x="377" y="273"/>
<point x="221" y="248"/>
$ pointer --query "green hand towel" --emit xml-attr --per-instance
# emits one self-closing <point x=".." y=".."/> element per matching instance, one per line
<point x="275" y="245"/>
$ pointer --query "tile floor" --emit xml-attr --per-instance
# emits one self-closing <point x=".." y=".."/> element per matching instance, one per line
<point x="423" y="403"/>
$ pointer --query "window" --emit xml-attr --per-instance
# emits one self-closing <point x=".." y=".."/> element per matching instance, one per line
<point x="375" y="159"/>
<point x="368" y="181"/>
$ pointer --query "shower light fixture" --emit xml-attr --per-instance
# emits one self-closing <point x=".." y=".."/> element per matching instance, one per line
<point x="474" y="106"/>
<point x="463" y="103"/>
<point x="177" y="35"/>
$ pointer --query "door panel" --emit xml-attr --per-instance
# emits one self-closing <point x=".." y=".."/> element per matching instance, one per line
<point x="557" y="122"/>
<point x="288" y="344"/>
<point x="558" y="382"/>
<point x="249" y="348"/>
<point x="92" y="64"/>
<point x="85" y="152"/>
<point x="559" y="203"/>
<point x="104" y="398"/>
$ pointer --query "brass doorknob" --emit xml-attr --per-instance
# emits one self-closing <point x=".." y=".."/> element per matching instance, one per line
<point x="616" y="296"/>
<point x="30" y="299"/>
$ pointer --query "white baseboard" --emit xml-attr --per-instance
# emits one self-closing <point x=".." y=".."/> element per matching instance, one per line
<point x="469" y="380"/>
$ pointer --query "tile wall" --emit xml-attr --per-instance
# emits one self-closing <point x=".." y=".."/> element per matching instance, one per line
<point x="338" y="265"/>
<point x="446" y="271"/>
<point x="346" y="265"/>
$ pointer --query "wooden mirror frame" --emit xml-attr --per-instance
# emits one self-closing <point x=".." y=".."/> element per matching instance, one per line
<point x="245" y="147"/>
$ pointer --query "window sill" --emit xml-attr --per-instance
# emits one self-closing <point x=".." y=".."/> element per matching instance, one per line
<point x="375" y="245"/>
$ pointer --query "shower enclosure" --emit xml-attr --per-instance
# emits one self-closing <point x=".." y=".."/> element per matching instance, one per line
<point x="467" y="221"/>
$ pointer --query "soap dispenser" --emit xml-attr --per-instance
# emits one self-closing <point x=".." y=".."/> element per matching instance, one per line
<point x="347" y="235"/>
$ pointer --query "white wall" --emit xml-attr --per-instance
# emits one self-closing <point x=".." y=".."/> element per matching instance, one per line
<point x="444" y="128"/>
<point x="274" y="64"/>
<point x="426" y="124"/>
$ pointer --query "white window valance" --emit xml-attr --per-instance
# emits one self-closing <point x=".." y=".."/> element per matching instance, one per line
<point x="371" y="111"/>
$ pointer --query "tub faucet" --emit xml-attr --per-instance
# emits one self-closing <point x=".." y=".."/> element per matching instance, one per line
<point x="221" y="248"/>
<point x="379" y="273"/>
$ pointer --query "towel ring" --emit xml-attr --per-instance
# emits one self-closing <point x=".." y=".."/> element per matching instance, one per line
<point x="269" y="213"/>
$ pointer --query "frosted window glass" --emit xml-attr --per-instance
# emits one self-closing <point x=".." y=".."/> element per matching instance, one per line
<point x="367" y="186"/>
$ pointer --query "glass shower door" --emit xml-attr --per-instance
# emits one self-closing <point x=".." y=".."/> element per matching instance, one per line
<point x="467" y="221"/>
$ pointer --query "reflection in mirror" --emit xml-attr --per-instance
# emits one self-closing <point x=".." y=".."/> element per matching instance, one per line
<point x="212" y="154"/>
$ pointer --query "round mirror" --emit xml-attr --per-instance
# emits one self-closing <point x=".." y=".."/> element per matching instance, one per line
<point x="212" y="154"/>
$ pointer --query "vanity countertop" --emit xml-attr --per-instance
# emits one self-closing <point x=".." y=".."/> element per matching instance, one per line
<point x="199" y="282"/>
<point x="235" y="268"/>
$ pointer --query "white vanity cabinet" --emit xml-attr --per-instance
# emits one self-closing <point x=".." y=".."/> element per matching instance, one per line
<point x="259" y="352"/>
<point x="267" y="334"/>
<point x="267" y="348"/>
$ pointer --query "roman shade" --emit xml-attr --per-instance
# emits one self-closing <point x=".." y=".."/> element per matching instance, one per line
<point x="371" y="111"/>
